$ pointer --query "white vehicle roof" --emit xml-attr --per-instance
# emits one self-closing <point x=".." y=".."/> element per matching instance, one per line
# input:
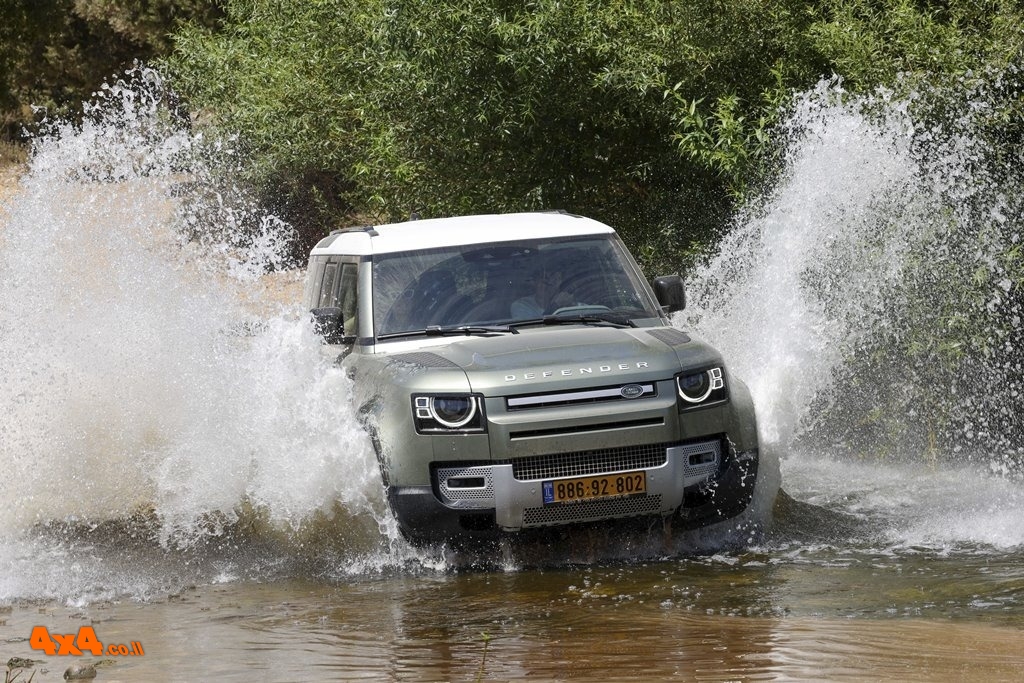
<point x="444" y="232"/>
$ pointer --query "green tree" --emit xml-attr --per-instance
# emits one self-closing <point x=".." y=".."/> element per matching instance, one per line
<point x="646" y="114"/>
<point x="892" y="42"/>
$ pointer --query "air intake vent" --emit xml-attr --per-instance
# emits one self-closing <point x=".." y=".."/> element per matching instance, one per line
<point x="670" y="336"/>
<point x="473" y="486"/>
<point x="424" y="359"/>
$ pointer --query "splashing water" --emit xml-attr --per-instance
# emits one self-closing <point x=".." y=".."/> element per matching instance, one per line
<point x="155" y="391"/>
<point x="871" y="303"/>
<point x="765" y="301"/>
<point x="147" y="374"/>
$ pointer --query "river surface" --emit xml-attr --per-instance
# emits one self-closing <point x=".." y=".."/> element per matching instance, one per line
<point x="826" y="597"/>
<point x="181" y="469"/>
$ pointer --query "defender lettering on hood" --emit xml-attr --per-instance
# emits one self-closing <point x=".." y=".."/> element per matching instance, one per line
<point x="517" y="372"/>
<point x="569" y="372"/>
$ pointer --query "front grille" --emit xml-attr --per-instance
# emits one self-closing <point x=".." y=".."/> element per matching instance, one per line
<point x="618" y="392"/>
<point x="583" y="463"/>
<point x="592" y="510"/>
<point x="585" y="428"/>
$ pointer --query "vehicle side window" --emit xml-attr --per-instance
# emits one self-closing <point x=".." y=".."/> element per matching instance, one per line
<point x="348" y="298"/>
<point x="335" y="285"/>
<point x="311" y="295"/>
<point x="328" y="286"/>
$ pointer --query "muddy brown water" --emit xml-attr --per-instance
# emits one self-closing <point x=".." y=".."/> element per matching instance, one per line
<point x="796" y="607"/>
<point x="655" y="622"/>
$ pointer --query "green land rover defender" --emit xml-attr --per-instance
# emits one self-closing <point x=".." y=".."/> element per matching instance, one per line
<point x="517" y="371"/>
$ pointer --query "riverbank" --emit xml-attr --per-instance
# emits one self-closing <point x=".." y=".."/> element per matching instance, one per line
<point x="270" y="292"/>
<point x="10" y="173"/>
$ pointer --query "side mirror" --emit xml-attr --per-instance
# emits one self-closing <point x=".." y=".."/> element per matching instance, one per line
<point x="670" y="292"/>
<point x="328" y="324"/>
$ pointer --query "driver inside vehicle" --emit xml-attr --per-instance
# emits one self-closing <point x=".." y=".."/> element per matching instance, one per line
<point x="546" y="297"/>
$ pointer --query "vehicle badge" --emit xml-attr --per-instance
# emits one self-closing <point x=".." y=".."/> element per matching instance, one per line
<point x="631" y="391"/>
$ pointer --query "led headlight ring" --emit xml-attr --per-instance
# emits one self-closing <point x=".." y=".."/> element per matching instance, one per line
<point x="453" y="412"/>
<point x="697" y="387"/>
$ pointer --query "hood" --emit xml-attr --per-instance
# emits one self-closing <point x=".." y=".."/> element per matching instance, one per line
<point x="543" y="359"/>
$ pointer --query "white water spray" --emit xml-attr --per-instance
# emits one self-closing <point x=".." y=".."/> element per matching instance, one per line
<point x="849" y="297"/>
<point x="147" y="372"/>
<point x="878" y="237"/>
<point x="764" y="299"/>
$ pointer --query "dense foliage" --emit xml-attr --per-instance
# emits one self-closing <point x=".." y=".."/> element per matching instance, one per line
<point x="643" y="114"/>
<point x="53" y="53"/>
<point x="652" y="115"/>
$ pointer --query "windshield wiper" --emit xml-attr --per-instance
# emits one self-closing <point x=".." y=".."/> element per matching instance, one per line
<point x="398" y="335"/>
<point x="613" y="319"/>
<point x="610" y="319"/>
<point x="438" y="331"/>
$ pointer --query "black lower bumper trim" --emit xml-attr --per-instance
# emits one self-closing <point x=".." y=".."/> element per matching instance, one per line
<point x="424" y="520"/>
<point x="721" y="498"/>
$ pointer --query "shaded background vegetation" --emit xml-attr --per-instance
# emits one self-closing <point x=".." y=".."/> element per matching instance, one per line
<point x="656" y="116"/>
<point x="54" y="53"/>
<point x="653" y="115"/>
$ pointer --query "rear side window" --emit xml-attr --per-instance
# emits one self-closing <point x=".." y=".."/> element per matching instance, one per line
<point x="327" y="281"/>
<point x="348" y="298"/>
<point x="333" y="283"/>
<point x="329" y="286"/>
<point x="314" y="276"/>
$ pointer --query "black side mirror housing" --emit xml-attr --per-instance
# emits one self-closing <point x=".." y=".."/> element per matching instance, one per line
<point x="670" y="292"/>
<point x="328" y="324"/>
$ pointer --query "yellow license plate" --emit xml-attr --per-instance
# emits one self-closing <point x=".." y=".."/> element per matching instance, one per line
<point x="590" y="488"/>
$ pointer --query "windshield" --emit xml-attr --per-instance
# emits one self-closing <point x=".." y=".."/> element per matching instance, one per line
<point x="507" y="283"/>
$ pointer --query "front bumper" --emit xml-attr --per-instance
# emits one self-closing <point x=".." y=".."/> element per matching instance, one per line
<point x="700" y="482"/>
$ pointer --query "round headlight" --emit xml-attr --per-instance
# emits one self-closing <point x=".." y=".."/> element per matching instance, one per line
<point x="695" y="388"/>
<point x="453" y="411"/>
